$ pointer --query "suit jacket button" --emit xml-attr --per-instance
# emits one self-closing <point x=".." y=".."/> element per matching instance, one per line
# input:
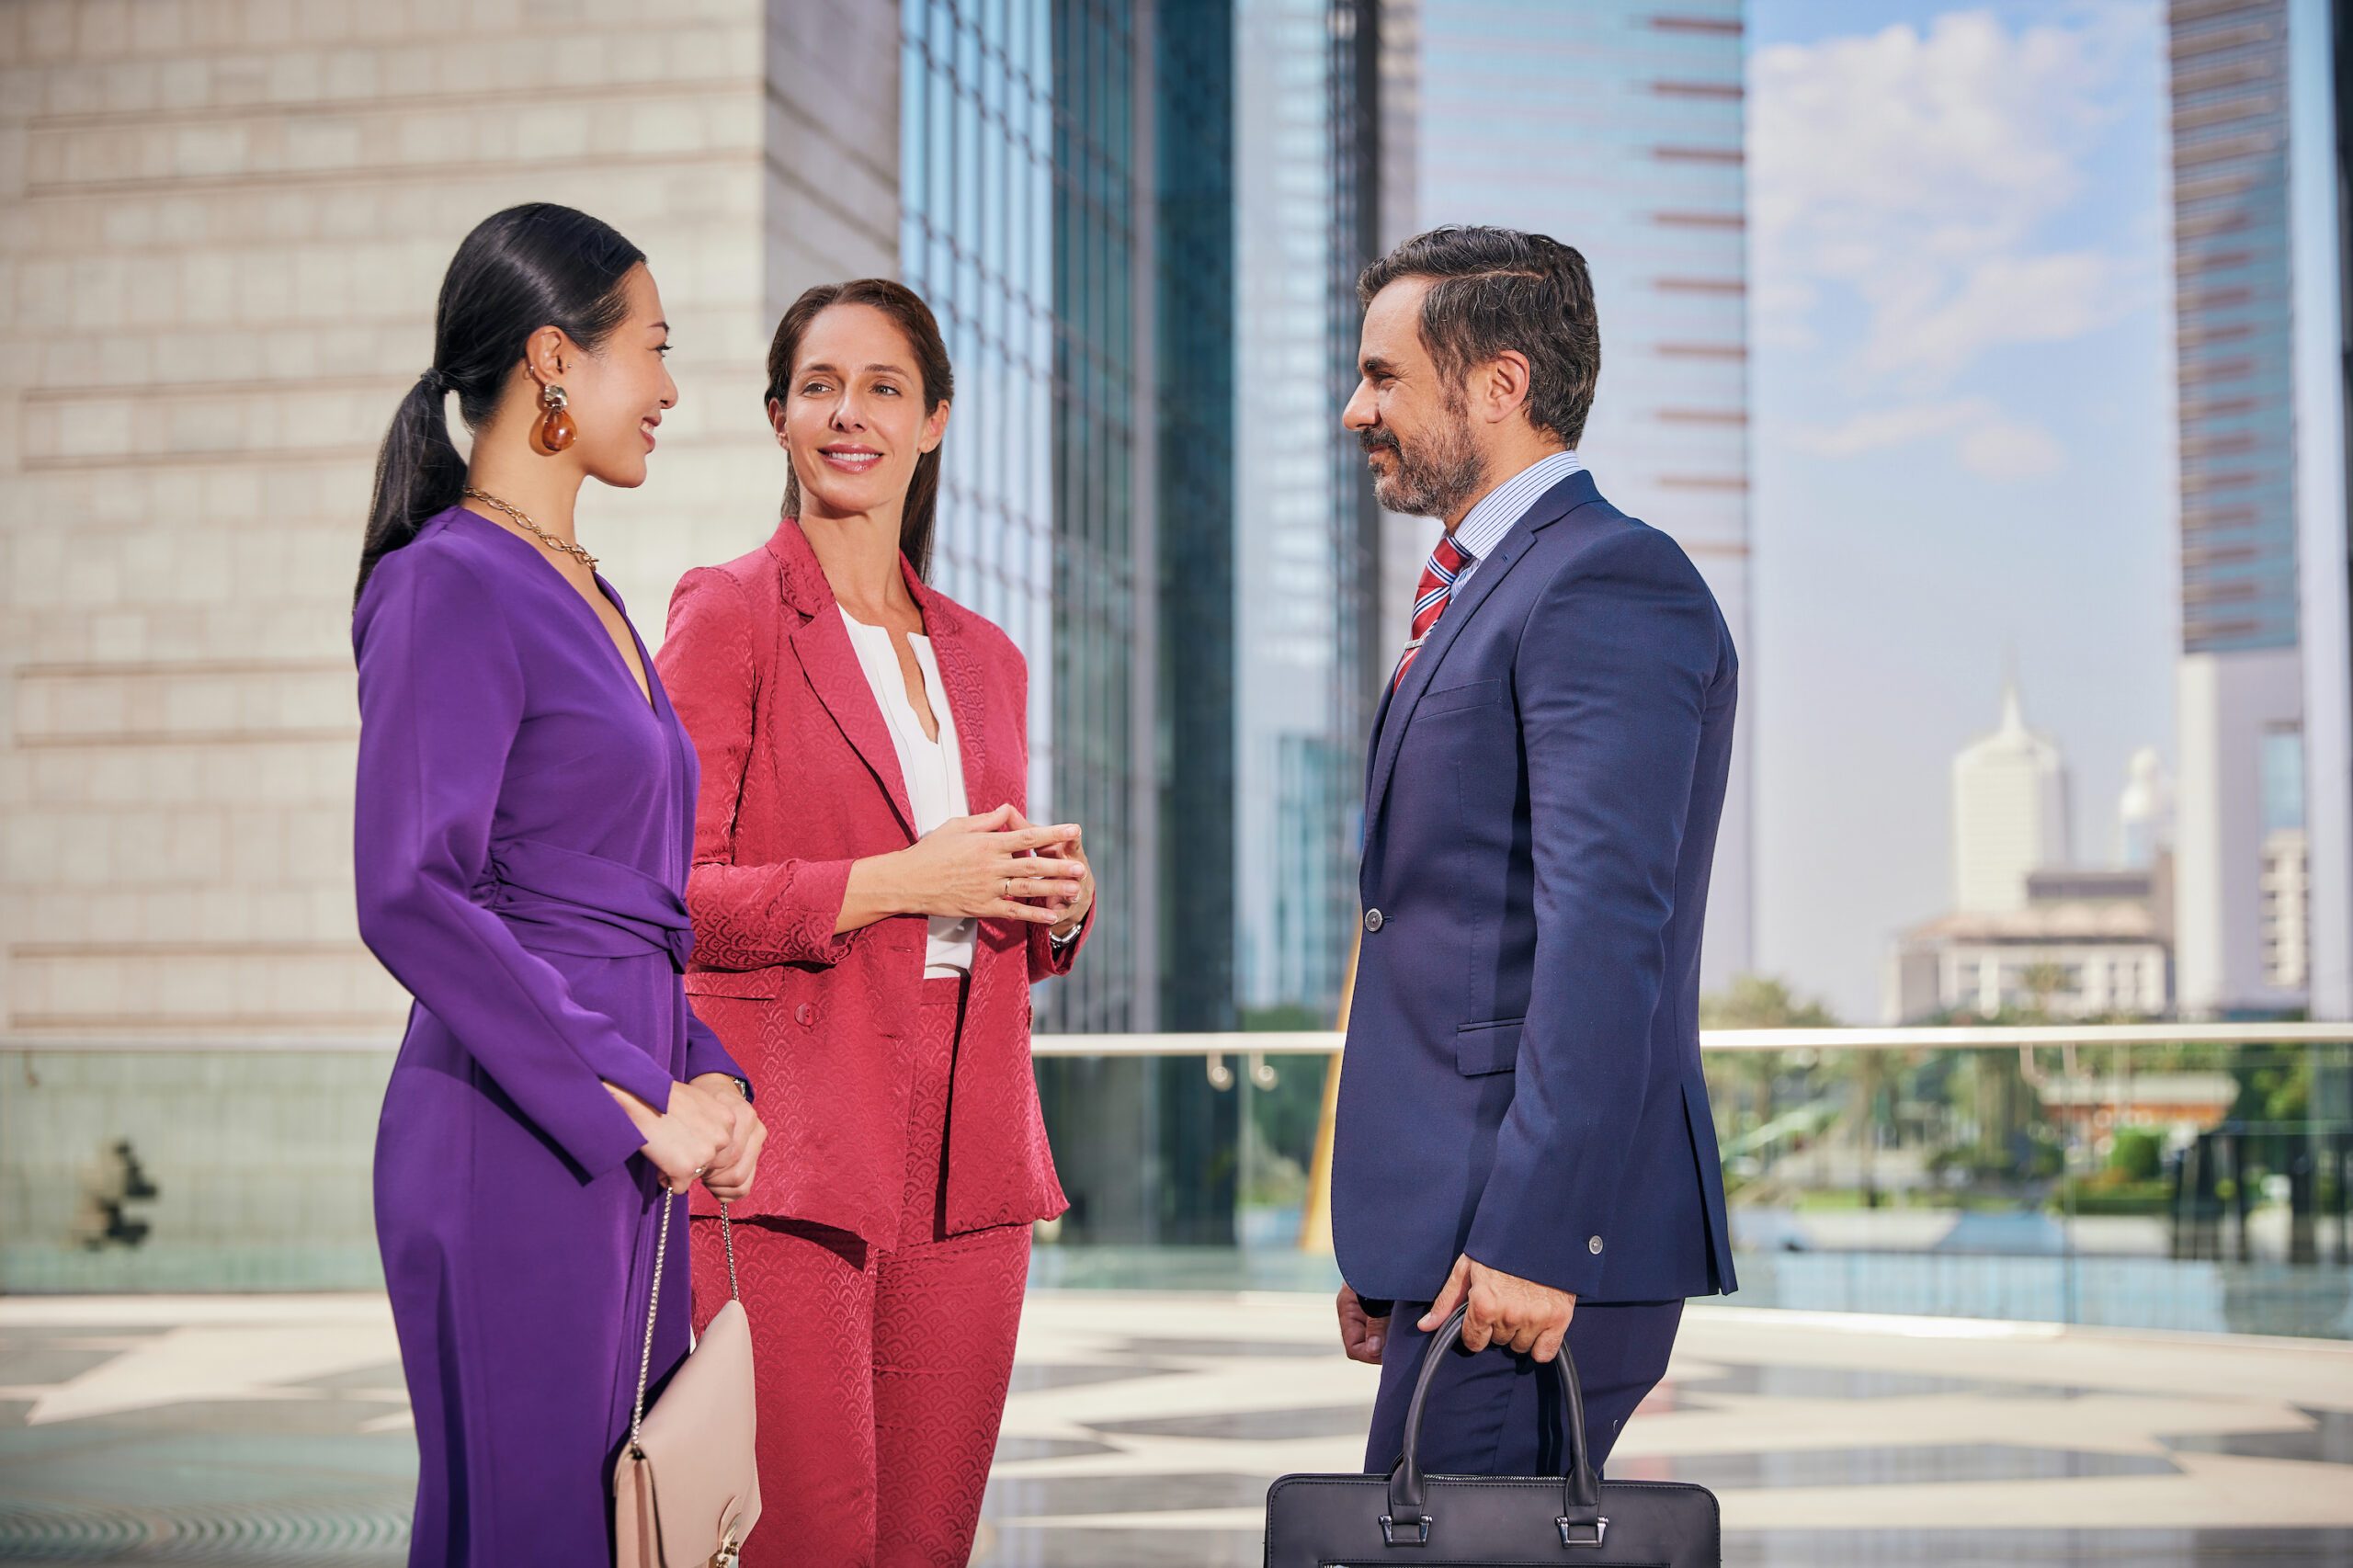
<point x="1592" y="1243"/>
<point x="804" y="1013"/>
<point x="1372" y="920"/>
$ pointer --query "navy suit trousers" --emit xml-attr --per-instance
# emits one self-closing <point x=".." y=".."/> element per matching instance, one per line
<point x="1499" y="1414"/>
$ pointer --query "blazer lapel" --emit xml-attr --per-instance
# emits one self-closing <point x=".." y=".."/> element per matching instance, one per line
<point x="1397" y="708"/>
<point x="822" y="646"/>
<point x="1373" y="748"/>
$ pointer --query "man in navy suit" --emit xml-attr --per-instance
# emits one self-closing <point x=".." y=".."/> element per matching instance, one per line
<point x="1522" y="1123"/>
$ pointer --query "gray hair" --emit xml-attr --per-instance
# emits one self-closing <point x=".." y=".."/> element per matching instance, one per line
<point x="1495" y="289"/>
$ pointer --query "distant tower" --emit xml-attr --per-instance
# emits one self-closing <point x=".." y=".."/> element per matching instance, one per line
<point x="2259" y="140"/>
<point x="2144" y="811"/>
<point x="2009" y="813"/>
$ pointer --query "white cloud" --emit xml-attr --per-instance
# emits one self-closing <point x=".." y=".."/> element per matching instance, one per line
<point x="2010" y="449"/>
<point x="1898" y="427"/>
<point x="2005" y="299"/>
<point x="1992" y="445"/>
<point x="1782" y="314"/>
<point x="1912" y="172"/>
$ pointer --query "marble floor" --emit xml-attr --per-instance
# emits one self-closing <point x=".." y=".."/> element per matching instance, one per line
<point x="1143" y="1428"/>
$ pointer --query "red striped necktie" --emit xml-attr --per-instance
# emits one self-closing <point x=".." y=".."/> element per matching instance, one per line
<point x="1431" y="598"/>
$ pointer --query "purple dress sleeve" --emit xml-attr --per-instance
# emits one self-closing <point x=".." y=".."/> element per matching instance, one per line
<point x="440" y="701"/>
<point x="706" y="1054"/>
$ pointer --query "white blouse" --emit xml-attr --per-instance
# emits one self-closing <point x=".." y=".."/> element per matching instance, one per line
<point x="933" y="769"/>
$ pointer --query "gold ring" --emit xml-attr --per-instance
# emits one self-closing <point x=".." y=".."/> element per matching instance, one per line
<point x="1009" y="889"/>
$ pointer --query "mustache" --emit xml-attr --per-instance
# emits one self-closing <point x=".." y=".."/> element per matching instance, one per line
<point x="1374" y="440"/>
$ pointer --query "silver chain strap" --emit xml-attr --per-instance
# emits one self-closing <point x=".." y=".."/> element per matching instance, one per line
<point x="727" y="1239"/>
<point x="654" y="1307"/>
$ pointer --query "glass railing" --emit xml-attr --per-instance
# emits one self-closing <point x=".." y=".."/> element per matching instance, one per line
<point x="2178" y="1177"/>
<point x="2166" y="1175"/>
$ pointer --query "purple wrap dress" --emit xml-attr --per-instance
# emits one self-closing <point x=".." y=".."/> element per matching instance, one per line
<point x="525" y="818"/>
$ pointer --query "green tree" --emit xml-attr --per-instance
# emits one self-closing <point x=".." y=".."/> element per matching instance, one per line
<point x="1762" y="1002"/>
<point x="1286" y="1115"/>
<point x="2138" y="1153"/>
<point x="2043" y="982"/>
<point x="1750" y="1079"/>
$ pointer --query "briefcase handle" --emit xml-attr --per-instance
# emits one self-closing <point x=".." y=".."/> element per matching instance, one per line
<point x="1581" y="1523"/>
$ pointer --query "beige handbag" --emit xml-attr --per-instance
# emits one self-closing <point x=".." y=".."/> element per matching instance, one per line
<point x="686" y="1488"/>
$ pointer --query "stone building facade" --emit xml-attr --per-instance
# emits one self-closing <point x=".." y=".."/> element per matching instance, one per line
<point x="222" y="227"/>
<point x="226" y="222"/>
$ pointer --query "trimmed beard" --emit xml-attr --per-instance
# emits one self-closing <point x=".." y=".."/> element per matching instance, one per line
<point x="1439" y="476"/>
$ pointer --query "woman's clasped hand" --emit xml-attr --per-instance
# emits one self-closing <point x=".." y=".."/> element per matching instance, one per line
<point x="709" y="1133"/>
<point x="996" y="866"/>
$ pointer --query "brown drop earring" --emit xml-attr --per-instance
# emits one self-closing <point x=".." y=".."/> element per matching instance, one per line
<point x="556" y="429"/>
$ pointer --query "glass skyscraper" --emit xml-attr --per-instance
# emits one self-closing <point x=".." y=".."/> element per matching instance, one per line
<point x="1066" y="172"/>
<point x="2232" y="325"/>
<point x="1146" y="485"/>
<point x="1018" y="224"/>
<point x="1193" y="170"/>
<point x="1614" y="126"/>
<point x="2237" y="98"/>
<point x="1305" y="532"/>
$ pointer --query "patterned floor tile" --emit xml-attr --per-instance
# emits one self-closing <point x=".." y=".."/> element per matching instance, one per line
<point x="1142" y="1430"/>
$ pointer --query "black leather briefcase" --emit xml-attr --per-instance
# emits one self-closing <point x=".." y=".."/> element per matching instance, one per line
<point x="1488" y="1521"/>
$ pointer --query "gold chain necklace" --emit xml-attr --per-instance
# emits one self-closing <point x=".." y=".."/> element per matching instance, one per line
<point x="544" y="537"/>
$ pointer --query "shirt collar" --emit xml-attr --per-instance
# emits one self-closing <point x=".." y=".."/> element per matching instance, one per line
<point x="1484" y="527"/>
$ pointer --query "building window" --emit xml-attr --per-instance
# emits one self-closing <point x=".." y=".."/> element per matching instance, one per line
<point x="2282" y="764"/>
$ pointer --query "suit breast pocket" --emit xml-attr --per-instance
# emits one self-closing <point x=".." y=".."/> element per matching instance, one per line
<point x="1487" y="1048"/>
<point x="1456" y="699"/>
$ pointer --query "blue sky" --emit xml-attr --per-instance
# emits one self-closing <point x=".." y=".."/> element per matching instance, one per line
<point x="1963" y="407"/>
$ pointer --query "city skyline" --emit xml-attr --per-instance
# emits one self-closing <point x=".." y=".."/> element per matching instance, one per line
<point x="2034" y="919"/>
<point x="2025" y="366"/>
<point x="1992" y="361"/>
<point x="1963" y="382"/>
<point x="1981" y="462"/>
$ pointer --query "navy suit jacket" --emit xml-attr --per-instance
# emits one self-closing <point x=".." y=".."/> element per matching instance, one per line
<point x="1521" y="1080"/>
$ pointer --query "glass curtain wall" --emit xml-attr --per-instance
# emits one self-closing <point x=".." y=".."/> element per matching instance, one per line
<point x="1018" y="224"/>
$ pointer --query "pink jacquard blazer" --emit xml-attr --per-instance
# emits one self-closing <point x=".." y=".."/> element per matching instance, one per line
<point x="799" y="780"/>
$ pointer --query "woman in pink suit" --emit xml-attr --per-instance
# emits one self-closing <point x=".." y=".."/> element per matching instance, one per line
<point x="871" y="908"/>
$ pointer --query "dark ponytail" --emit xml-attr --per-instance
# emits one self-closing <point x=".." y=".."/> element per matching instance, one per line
<point x="530" y="266"/>
<point x="905" y="307"/>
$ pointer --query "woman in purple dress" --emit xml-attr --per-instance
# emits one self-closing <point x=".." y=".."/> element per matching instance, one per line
<point x="525" y="813"/>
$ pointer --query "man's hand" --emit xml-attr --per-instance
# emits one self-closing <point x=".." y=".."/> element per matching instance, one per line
<point x="1361" y="1335"/>
<point x="1505" y="1310"/>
